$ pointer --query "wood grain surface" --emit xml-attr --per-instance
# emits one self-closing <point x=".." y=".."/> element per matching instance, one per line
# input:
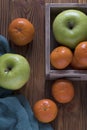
<point x="71" y="116"/>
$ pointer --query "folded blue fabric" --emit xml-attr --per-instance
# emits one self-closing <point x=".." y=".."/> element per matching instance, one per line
<point x="16" y="113"/>
<point x="4" y="45"/>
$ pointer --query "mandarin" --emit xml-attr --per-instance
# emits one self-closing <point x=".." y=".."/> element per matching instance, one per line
<point x="63" y="91"/>
<point x="21" y="31"/>
<point x="80" y="53"/>
<point x="76" y="65"/>
<point x="61" y="57"/>
<point x="45" y="110"/>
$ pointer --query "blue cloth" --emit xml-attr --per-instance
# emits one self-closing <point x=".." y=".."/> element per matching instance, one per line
<point x="16" y="113"/>
<point x="4" y="46"/>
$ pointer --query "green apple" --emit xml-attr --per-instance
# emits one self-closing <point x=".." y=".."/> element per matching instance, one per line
<point x="70" y="27"/>
<point x="14" y="71"/>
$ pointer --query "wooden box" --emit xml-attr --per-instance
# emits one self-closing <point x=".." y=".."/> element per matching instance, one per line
<point x="51" y="10"/>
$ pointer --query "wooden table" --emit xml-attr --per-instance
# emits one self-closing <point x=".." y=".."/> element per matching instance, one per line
<point x="71" y="116"/>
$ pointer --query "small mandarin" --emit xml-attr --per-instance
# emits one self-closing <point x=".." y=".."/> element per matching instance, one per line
<point x="61" y="57"/>
<point x="63" y="90"/>
<point x="45" y="110"/>
<point x="76" y="65"/>
<point x="21" y="31"/>
<point x="80" y="53"/>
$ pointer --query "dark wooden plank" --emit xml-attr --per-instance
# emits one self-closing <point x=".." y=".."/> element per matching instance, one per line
<point x="4" y="17"/>
<point x="73" y="111"/>
<point x="72" y="116"/>
<point x="34" y="52"/>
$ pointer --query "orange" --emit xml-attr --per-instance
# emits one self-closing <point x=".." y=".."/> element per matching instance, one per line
<point x="80" y="53"/>
<point x="21" y="31"/>
<point x="61" y="57"/>
<point x="76" y="65"/>
<point x="45" y="110"/>
<point x="63" y="90"/>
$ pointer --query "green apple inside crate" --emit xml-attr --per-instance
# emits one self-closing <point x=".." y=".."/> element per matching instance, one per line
<point x="51" y="11"/>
